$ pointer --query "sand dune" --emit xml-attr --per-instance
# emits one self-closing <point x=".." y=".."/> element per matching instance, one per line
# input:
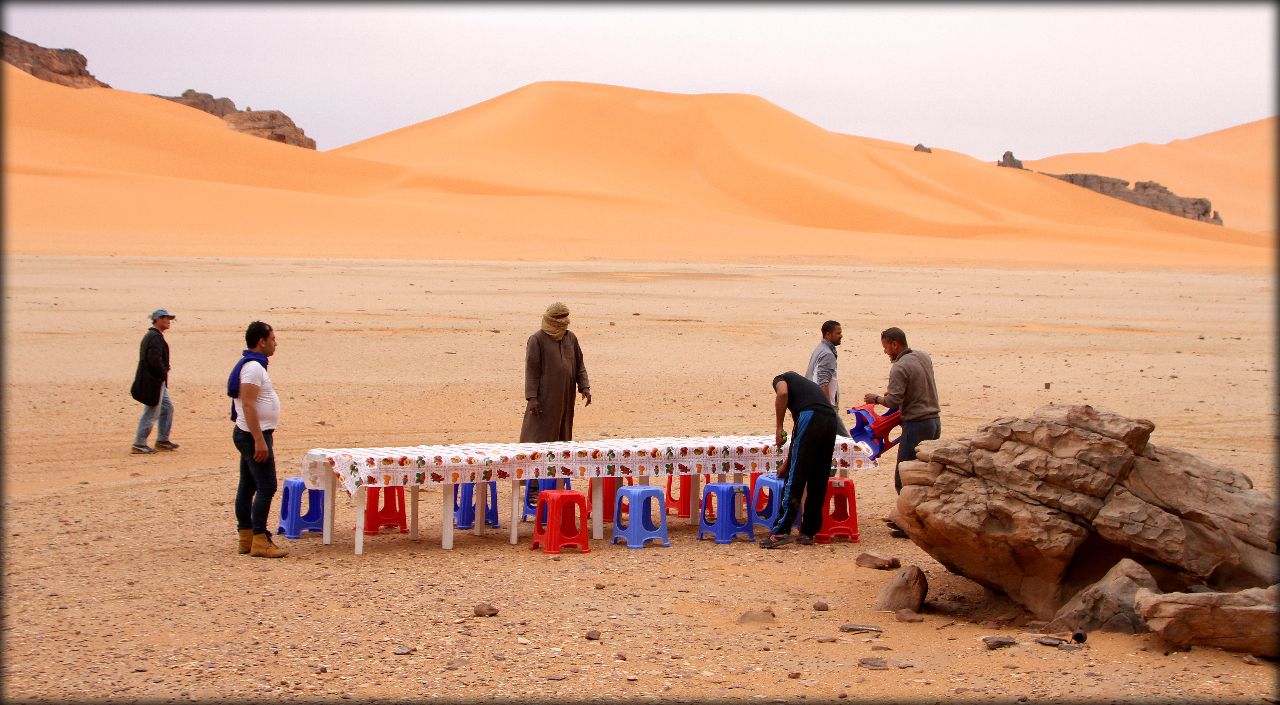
<point x="556" y="171"/>
<point x="1234" y="168"/>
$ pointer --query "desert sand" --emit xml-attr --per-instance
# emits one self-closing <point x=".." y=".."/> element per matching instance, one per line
<point x="699" y="241"/>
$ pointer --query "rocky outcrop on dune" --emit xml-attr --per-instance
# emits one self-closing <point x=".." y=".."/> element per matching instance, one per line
<point x="267" y="124"/>
<point x="66" y="67"/>
<point x="1041" y="508"/>
<point x="221" y="107"/>
<point x="1010" y="161"/>
<point x="1148" y="194"/>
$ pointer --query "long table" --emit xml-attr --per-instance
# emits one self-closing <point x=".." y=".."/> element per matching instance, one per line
<point x="357" y="469"/>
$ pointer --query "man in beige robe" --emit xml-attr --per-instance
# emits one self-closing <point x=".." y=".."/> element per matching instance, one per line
<point x="552" y="367"/>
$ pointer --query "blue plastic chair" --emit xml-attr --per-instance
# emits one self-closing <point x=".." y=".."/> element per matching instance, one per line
<point x="640" y="526"/>
<point x="531" y="503"/>
<point x="768" y="516"/>
<point x="726" y="525"/>
<point x="464" y="505"/>
<point x="292" y="521"/>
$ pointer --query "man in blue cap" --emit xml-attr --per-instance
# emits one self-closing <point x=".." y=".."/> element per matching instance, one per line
<point x="151" y="385"/>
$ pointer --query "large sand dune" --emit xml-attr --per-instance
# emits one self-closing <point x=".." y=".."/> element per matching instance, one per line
<point x="556" y="171"/>
<point x="1234" y="168"/>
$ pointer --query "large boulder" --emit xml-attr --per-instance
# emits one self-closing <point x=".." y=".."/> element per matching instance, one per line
<point x="1041" y="507"/>
<point x="1247" y="621"/>
<point x="906" y="591"/>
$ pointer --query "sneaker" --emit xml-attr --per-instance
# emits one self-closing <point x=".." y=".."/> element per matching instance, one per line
<point x="141" y="450"/>
<point x="777" y="540"/>
<point x="166" y="445"/>
<point x="804" y="540"/>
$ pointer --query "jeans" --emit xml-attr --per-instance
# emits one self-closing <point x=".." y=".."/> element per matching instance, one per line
<point x="149" y="413"/>
<point x="912" y="433"/>
<point x="257" y="482"/>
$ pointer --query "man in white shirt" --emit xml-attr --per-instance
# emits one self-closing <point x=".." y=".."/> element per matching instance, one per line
<point x="822" y="369"/>
<point x="255" y="408"/>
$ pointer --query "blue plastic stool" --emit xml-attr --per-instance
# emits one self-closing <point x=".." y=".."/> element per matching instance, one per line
<point x="292" y="521"/>
<point x="768" y="516"/>
<point x="726" y="525"/>
<point x="464" y="505"/>
<point x="640" y="526"/>
<point x="531" y="503"/>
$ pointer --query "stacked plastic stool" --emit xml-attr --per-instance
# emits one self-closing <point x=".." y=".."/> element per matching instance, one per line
<point x="292" y="521"/>
<point x="840" y="512"/>
<point x="530" y="506"/>
<point x="609" y="491"/>
<point x="640" y="525"/>
<point x="766" y="501"/>
<point x="464" y="505"/>
<point x="724" y="526"/>
<point x="560" y="520"/>
<point x="390" y="514"/>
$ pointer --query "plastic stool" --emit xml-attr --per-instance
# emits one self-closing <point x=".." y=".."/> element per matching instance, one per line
<point x="755" y="476"/>
<point x="726" y="525"/>
<point x="557" y="525"/>
<point x="640" y="528"/>
<point x="530" y="504"/>
<point x="682" y="505"/>
<point x="464" y="508"/>
<point x="840" y="512"/>
<point x="392" y="511"/>
<point x="292" y="521"/>
<point x="609" y="490"/>
<point x="766" y="501"/>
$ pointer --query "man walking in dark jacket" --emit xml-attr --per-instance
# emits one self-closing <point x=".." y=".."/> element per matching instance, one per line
<point x="151" y="385"/>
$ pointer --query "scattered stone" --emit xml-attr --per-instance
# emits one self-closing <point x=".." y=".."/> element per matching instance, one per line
<point x="1050" y="641"/>
<point x="821" y="606"/>
<point x="620" y="656"/>
<point x="878" y="561"/>
<point x="793" y="675"/>
<point x="907" y="590"/>
<point x="402" y="650"/>
<point x="599" y="586"/>
<point x="998" y="642"/>
<point x="881" y="647"/>
<point x="485" y="609"/>
<point x="859" y="628"/>
<point x="521" y="640"/>
<point x="322" y="668"/>
<point x="906" y="615"/>
<point x="826" y="639"/>
<point x="557" y="677"/>
<point x="632" y="678"/>
<point x="593" y="634"/>
<point x="1251" y="660"/>
<point x="757" y="616"/>
<point x="873" y="663"/>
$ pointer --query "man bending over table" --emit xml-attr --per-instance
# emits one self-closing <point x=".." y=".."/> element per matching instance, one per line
<point x="808" y="463"/>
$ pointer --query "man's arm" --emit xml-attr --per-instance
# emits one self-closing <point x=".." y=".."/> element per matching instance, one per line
<point x="249" y="399"/>
<point x="897" y="387"/>
<point x="780" y="409"/>
<point x="584" y="385"/>
<point x="155" y="358"/>
<point x="533" y="374"/>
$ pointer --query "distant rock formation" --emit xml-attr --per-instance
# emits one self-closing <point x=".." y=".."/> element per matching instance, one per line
<point x="267" y="124"/>
<point x="66" y="67"/>
<point x="1148" y="194"/>
<point x="1040" y="508"/>
<point x="922" y="148"/>
<point x="1010" y="161"/>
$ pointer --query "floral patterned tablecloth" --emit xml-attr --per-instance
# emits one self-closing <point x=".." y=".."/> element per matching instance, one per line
<point x="618" y="457"/>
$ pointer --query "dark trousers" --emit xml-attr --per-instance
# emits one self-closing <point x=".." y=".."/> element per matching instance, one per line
<point x="912" y="433"/>
<point x="813" y="440"/>
<point x="257" y="482"/>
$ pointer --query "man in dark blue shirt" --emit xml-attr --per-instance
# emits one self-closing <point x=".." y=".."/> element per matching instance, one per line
<point x="808" y="463"/>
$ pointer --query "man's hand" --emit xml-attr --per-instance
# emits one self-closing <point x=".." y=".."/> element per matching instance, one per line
<point x="586" y="394"/>
<point x="779" y="437"/>
<point x="870" y="397"/>
<point x="534" y="407"/>
<point x="781" y="472"/>
<point x="260" y="450"/>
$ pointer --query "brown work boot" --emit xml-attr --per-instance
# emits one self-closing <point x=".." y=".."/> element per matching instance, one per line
<point x="263" y="548"/>
<point x="246" y="540"/>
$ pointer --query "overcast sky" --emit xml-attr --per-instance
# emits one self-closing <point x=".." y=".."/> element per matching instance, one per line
<point x="1039" y="79"/>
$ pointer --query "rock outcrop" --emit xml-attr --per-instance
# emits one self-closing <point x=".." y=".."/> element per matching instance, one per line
<point x="267" y="124"/>
<point x="1247" y="621"/>
<point x="922" y="148"/>
<point x="66" y="67"/>
<point x="1010" y="161"/>
<point x="1148" y="194"/>
<point x="1042" y="507"/>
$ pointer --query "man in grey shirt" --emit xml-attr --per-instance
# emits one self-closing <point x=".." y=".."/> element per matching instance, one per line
<point x="822" y="369"/>
<point x="912" y="392"/>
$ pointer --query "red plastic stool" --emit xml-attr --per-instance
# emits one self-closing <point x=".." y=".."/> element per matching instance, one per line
<point x="392" y="511"/>
<point x="609" y="485"/>
<point x="840" y="513"/>
<point x="681" y="505"/>
<point x="763" y="501"/>
<point x="556" y="524"/>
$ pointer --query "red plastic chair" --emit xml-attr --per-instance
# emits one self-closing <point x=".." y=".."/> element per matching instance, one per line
<point x="560" y="521"/>
<point x="840" y="512"/>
